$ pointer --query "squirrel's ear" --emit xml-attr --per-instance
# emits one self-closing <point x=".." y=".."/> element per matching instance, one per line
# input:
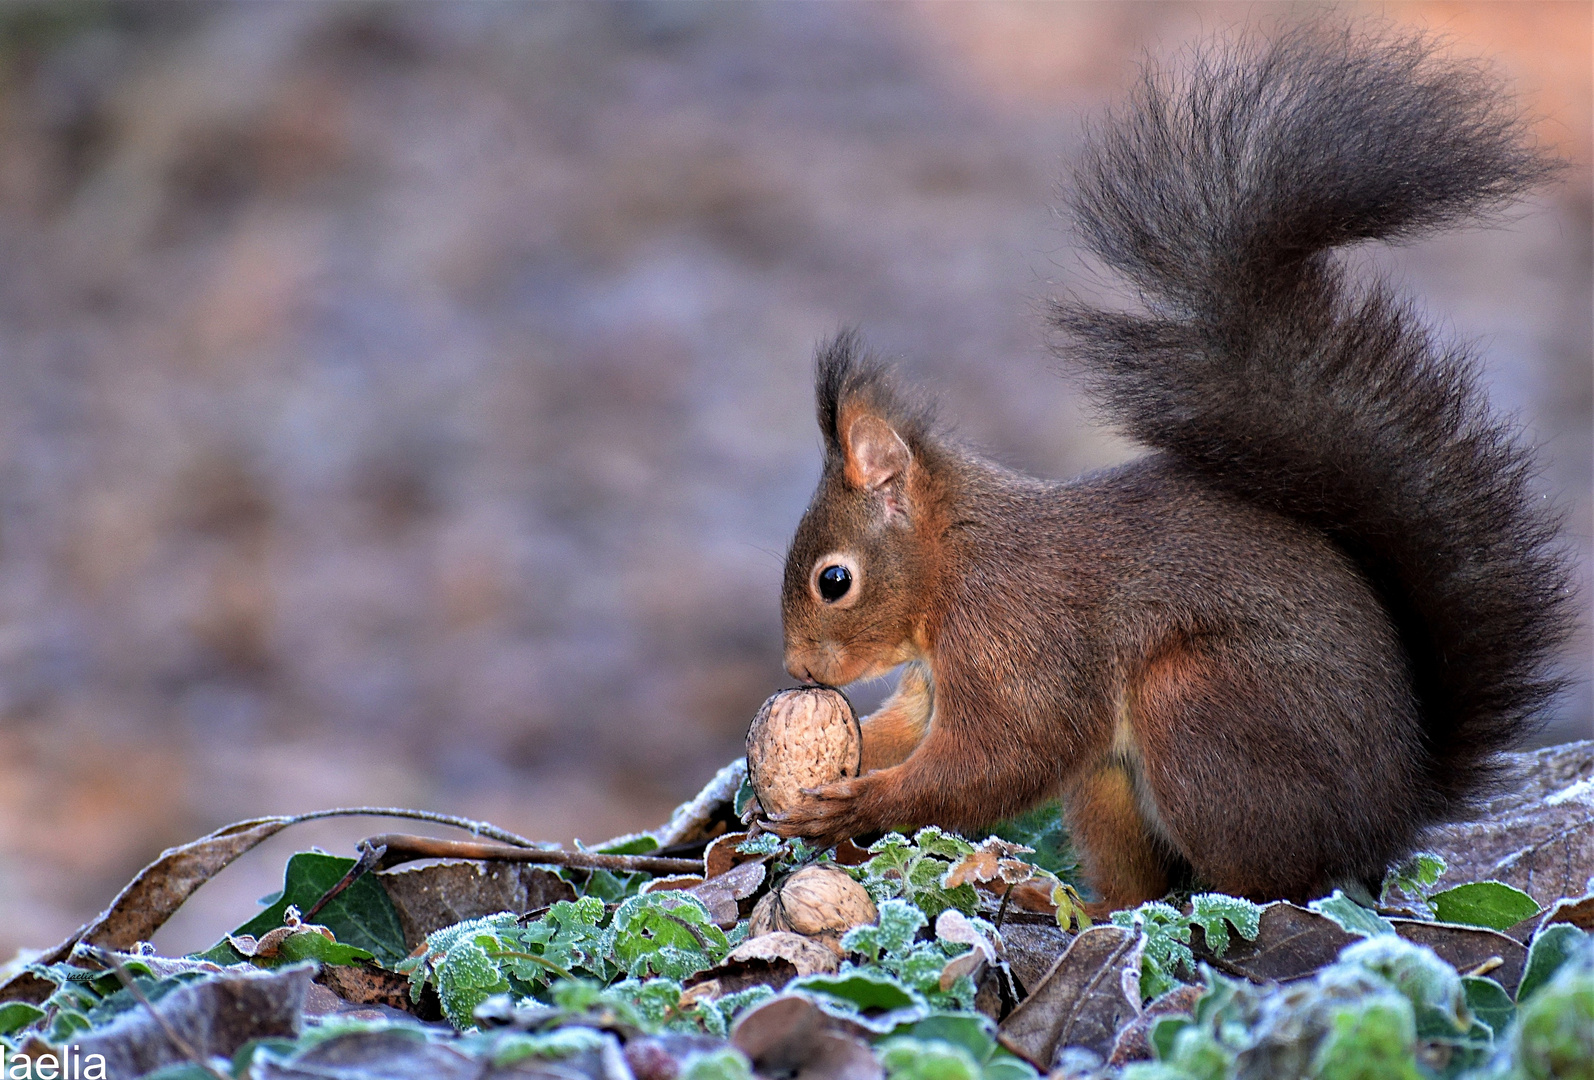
<point x="875" y="454"/>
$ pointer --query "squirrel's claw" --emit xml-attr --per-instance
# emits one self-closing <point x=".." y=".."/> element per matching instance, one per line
<point x="828" y="815"/>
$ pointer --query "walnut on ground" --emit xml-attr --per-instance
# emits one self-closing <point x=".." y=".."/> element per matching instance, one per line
<point x="819" y="902"/>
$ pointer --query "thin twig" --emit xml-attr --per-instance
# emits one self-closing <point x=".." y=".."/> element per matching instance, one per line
<point x="106" y="956"/>
<point x="370" y="857"/>
<point x="402" y="847"/>
<point x="1001" y="910"/>
<point x="479" y="828"/>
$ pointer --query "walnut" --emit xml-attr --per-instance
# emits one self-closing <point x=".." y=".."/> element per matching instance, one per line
<point x="819" y="902"/>
<point x="800" y="739"/>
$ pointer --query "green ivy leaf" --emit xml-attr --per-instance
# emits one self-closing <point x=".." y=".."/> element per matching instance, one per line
<point x="311" y="945"/>
<point x="1352" y="916"/>
<point x="744" y="794"/>
<point x="1489" y="1002"/>
<point x="877" y="999"/>
<point x="972" y="1031"/>
<point x="1554" y="1035"/>
<point x="16" y="1015"/>
<point x="1375" y="1037"/>
<point x="634" y="845"/>
<point x="1552" y="946"/>
<point x="611" y="888"/>
<point x="1164" y="1034"/>
<point x="1492" y="905"/>
<point x="361" y="915"/>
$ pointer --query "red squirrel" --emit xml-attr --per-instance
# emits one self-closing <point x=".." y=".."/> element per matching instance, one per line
<point x="1269" y="654"/>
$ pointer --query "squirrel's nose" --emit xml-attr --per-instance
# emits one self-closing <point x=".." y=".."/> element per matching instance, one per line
<point x="799" y="670"/>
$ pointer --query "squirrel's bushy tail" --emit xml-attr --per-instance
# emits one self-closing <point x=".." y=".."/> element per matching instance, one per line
<point x="1256" y="363"/>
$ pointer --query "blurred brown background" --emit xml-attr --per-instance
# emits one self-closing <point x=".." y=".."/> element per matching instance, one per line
<point x="408" y="404"/>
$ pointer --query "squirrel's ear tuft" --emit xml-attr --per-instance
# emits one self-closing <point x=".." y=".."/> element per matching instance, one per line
<point x="851" y="387"/>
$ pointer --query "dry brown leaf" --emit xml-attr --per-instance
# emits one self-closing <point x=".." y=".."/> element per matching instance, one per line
<point x="1466" y="947"/>
<point x="428" y="898"/>
<point x="721" y="854"/>
<point x="807" y="957"/>
<point x="675" y="881"/>
<point x="144" y="905"/>
<point x="1536" y="835"/>
<point x="214" y="1017"/>
<point x="1032" y="949"/>
<point x="1578" y="912"/>
<point x="1088" y="995"/>
<point x="792" y="1037"/>
<point x="368" y="984"/>
<point x="1134" y="1041"/>
<point x="1291" y="942"/>
<point x="993" y="861"/>
<point x="952" y="925"/>
<point x="722" y="894"/>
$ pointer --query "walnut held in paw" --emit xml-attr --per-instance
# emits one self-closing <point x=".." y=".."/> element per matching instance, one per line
<point x="819" y="902"/>
<point x="800" y="739"/>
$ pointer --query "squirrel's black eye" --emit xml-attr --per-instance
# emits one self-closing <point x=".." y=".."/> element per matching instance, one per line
<point x="834" y="581"/>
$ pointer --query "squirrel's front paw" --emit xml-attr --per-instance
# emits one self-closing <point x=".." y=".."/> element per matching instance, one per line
<point x="828" y="814"/>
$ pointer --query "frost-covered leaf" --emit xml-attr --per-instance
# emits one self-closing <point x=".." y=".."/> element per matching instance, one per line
<point x="1211" y="911"/>
<point x="1414" y="878"/>
<point x="1375" y="1036"/>
<point x="762" y="844"/>
<point x="907" y="1058"/>
<point x="1489" y="904"/>
<point x="1554" y="1035"/>
<point x="914" y="871"/>
<point x="1351" y="915"/>
<point x="1489" y="1002"/>
<point x="892" y="934"/>
<point x="1416" y="972"/>
<point x="1552" y="947"/>
<point x="468" y="976"/>
<point x="1167" y="945"/>
<point x="725" y="1064"/>
<point x="874" y="999"/>
<point x="666" y="933"/>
